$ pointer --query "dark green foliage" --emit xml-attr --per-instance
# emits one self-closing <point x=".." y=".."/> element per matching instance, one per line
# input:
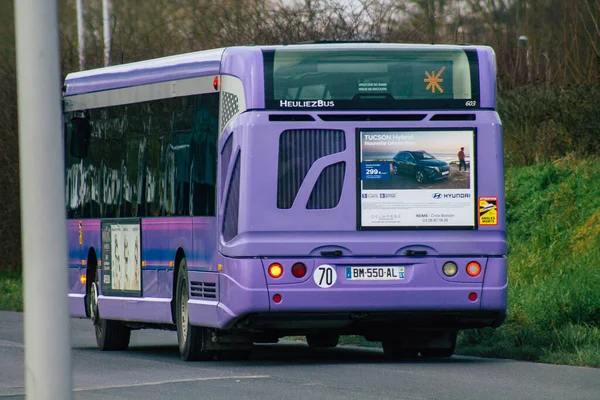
<point x="553" y="219"/>
<point x="541" y="123"/>
<point x="11" y="290"/>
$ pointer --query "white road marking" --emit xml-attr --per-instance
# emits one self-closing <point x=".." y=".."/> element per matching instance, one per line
<point x="133" y="385"/>
<point x="6" y="343"/>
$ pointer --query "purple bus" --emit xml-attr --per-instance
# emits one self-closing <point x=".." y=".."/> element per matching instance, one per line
<point x="245" y="194"/>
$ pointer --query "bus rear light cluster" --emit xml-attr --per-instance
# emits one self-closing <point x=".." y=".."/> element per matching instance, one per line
<point x="299" y="270"/>
<point x="473" y="268"/>
<point x="450" y="268"/>
<point x="275" y="270"/>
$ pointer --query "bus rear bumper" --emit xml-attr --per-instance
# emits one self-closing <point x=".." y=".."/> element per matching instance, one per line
<point x="250" y="299"/>
<point x="372" y="323"/>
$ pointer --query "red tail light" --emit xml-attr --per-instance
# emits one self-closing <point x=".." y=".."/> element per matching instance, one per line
<point x="299" y="270"/>
<point x="216" y="83"/>
<point x="473" y="268"/>
<point x="277" y="298"/>
<point x="472" y="296"/>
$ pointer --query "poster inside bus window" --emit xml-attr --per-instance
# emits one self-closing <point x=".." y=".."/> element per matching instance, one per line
<point x="121" y="257"/>
<point x="416" y="178"/>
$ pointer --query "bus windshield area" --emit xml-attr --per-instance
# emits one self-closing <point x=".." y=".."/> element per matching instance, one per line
<point x="364" y="78"/>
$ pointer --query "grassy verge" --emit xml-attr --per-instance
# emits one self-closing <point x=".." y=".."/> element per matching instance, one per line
<point x="11" y="291"/>
<point x="553" y="220"/>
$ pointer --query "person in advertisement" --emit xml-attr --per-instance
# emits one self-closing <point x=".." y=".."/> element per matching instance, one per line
<point x="461" y="159"/>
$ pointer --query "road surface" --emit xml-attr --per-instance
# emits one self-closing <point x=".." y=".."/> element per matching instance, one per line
<point x="152" y="369"/>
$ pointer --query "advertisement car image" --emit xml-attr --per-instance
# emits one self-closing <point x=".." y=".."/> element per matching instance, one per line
<point x="421" y="165"/>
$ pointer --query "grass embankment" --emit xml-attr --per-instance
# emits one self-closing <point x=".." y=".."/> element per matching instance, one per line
<point x="11" y="291"/>
<point x="553" y="221"/>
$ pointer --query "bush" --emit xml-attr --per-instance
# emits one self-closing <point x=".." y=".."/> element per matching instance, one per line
<point x="542" y="123"/>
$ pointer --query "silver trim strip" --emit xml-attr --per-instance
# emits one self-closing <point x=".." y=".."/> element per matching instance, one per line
<point x="138" y="94"/>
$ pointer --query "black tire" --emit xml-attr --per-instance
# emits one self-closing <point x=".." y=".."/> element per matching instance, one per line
<point x="443" y="352"/>
<point x="420" y="176"/>
<point x="110" y="335"/>
<point x="393" y="350"/>
<point x="191" y="339"/>
<point x="323" y="340"/>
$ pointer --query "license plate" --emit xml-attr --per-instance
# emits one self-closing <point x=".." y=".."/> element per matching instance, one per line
<point x="374" y="273"/>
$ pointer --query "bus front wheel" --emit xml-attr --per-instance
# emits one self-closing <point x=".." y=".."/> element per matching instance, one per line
<point x="192" y="340"/>
<point x="110" y="335"/>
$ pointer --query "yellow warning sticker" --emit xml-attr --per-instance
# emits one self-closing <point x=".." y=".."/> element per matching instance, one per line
<point x="488" y="211"/>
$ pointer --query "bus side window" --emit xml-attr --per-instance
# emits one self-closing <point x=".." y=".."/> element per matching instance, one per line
<point x="81" y="130"/>
<point x="203" y="155"/>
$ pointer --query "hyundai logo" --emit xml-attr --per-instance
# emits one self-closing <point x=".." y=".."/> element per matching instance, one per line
<point x="437" y="195"/>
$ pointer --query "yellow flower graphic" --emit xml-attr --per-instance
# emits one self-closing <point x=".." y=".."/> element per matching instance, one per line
<point x="433" y="80"/>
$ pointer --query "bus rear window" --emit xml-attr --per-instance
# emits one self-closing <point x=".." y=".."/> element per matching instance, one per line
<point x="386" y="78"/>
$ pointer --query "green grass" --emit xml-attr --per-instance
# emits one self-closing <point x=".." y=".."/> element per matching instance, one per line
<point x="553" y="222"/>
<point x="11" y="291"/>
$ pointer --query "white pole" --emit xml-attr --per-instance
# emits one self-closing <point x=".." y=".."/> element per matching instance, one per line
<point x="80" y="35"/>
<point x="43" y="226"/>
<point x="106" y="8"/>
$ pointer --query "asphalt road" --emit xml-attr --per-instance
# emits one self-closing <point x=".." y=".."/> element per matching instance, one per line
<point x="152" y="369"/>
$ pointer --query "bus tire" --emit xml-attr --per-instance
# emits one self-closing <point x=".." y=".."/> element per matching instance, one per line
<point x="192" y="340"/>
<point x="322" y="340"/>
<point x="441" y="352"/>
<point x="110" y="335"/>
<point x="393" y="350"/>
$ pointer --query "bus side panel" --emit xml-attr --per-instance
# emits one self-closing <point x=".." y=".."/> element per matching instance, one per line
<point x="243" y="290"/>
<point x="495" y="285"/>
<point x="82" y="235"/>
<point x="203" y="255"/>
<point x="161" y="237"/>
<point x="487" y="79"/>
<point x="490" y="167"/>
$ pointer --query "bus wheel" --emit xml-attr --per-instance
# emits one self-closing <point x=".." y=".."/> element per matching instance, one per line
<point x="110" y="335"/>
<point x="323" y="340"/>
<point x="192" y="339"/>
<point x="420" y="176"/>
<point x="393" y="350"/>
<point x="441" y="352"/>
